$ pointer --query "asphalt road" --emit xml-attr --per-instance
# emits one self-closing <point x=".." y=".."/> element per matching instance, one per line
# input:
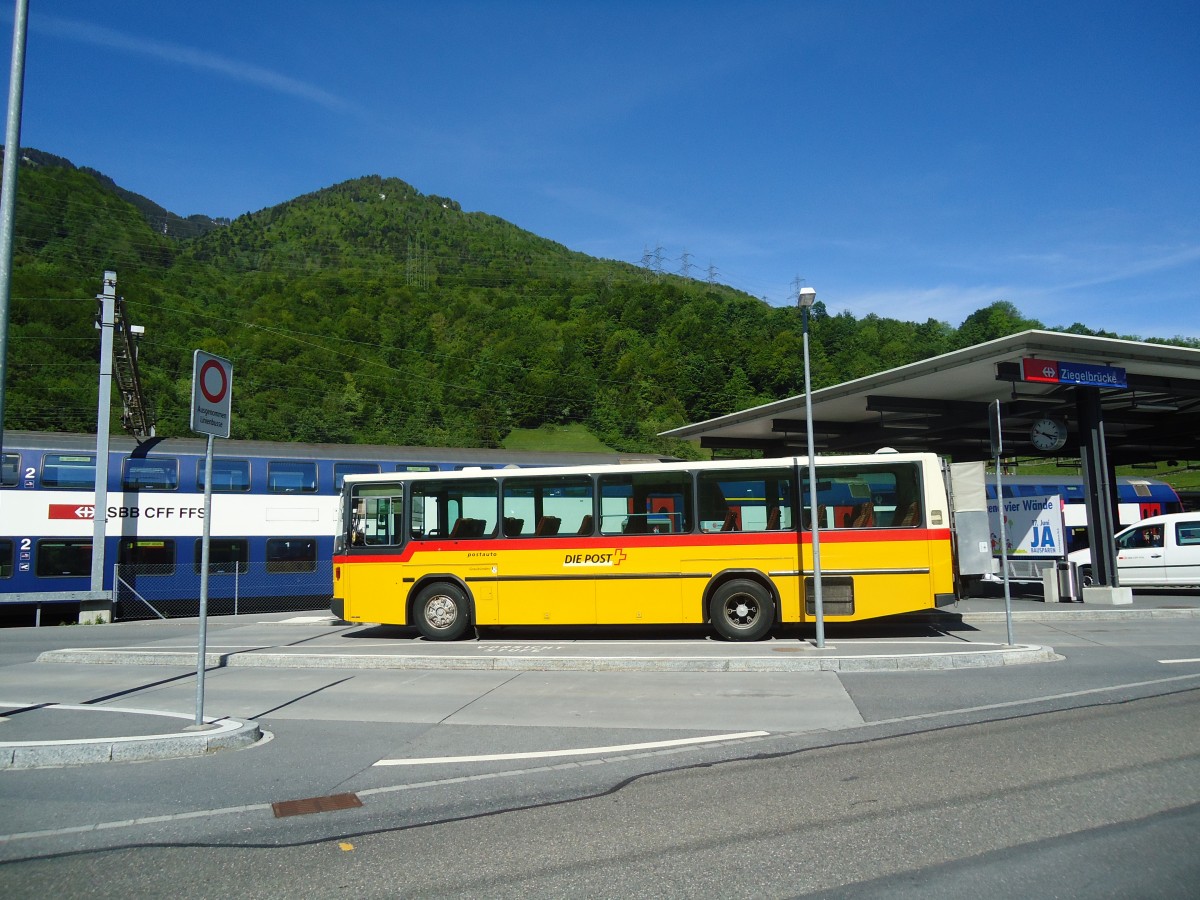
<point x="1075" y="778"/>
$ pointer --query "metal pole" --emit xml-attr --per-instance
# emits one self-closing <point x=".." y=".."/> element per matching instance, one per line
<point x="812" y="494"/>
<point x="108" y="301"/>
<point x="204" y="542"/>
<point x="8" y="187"/>
<point x="998" y="444"/>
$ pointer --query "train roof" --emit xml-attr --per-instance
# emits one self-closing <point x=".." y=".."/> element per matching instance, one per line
<point x="83" y="443"/>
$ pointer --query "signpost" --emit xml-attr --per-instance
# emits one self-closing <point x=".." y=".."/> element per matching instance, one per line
<point x="996" y="427"/>
<point x="212" y="387"/>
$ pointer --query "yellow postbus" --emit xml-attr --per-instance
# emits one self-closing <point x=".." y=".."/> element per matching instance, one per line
<point x="725" y="543"/>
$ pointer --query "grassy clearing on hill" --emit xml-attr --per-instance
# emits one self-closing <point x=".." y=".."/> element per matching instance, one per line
<point x="573" y="438"/>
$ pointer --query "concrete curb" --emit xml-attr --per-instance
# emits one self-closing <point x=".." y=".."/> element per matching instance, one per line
<point x="227" y="734"/>
<point x="801" y="658"/>
<point x="1066" y="616"/>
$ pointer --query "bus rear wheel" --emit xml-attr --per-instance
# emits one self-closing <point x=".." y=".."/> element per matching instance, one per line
<point x="441" y="612"/>
<point x="741" y="610"/>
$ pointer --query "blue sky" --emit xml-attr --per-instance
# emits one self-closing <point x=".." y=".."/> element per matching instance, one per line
<point x="910" y="159"/>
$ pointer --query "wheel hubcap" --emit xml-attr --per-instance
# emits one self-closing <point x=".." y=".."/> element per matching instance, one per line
<point x="440" y="611"/>
<point x="741" y="611"/>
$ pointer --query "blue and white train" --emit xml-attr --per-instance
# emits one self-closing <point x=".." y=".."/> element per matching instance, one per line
<point x="274" y="514"/>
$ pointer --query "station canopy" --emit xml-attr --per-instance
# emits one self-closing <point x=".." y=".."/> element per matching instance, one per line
<point x="1149" y="404"/>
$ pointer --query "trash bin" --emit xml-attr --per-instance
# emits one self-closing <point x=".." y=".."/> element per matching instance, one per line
<point x="1068" y="581"/>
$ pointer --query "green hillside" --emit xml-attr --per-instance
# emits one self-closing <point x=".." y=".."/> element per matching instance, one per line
<point x="368" y="312"/>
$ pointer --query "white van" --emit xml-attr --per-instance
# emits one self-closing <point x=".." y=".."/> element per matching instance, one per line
<point x="1160" y="550"/>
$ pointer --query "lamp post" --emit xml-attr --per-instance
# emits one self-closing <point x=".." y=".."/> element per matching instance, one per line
<point x="806" y="298"/>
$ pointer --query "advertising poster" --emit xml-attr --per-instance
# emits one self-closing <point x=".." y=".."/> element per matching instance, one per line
<point x="1033" y="525"/>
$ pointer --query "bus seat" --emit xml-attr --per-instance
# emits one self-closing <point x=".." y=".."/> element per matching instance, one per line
<point x="773" y="516"/>
<point x="467" y="528"/>
<point x="585" y="527"/>
<point x="513" y="526"/>
<point x="547" y="526"/>
<point x="909" y="516"/>
<point x="864" y="515"/>
<point x="730" y="523"/>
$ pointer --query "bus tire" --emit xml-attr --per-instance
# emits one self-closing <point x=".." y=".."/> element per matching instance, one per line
<point x="741" y="610"/>
<point x="441" y="612"/>
<point x="1085" y="577"/>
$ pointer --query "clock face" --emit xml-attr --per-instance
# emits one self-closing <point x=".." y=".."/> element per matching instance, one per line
<point x="1048" y="434"/>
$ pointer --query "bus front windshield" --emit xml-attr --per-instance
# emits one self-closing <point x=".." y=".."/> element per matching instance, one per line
<point x="376" y="515"/>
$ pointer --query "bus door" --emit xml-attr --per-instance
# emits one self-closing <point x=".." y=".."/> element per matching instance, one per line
<point x="453" y="525"/>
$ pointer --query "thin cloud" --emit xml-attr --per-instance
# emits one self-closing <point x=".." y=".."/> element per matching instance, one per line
<point x="246" y="73"/>
<point x="1147" y="266"/>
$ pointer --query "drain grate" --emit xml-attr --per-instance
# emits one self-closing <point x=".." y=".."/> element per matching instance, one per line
<point x="332" y="803"/>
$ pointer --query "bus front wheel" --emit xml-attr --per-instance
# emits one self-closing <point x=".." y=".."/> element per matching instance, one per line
<point x="741" y="610"/>
<point x="441" y="612"/>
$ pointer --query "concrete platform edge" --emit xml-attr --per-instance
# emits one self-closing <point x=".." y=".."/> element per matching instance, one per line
<point x="814" y="661"/>
<point x="34" y="755"/>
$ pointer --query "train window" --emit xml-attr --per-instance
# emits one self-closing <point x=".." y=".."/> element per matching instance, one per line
<point x="10" y="469"/>
<point x="151" y="475"/>
<point x="64" y="559"/>
<point x="291" y="555"/>
<point x="228" y="475"/>
<point x="150" y="557"/>
<point x="342" y="469"/>
<point x="66" y="470"/>
<point x="225" y="555"/>
<point x="291" y="477"/>
<point x="6" y="559"/>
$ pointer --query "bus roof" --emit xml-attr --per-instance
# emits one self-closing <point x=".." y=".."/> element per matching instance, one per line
<point x="779" y="462"/>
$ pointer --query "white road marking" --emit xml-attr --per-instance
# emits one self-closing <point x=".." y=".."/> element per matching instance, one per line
<point x="578" y="751"/>
<point x="1170" y="661"/>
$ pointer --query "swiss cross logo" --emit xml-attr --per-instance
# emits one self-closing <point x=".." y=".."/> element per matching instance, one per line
<point x="72" y="511"/>
<point x="1043" y="370"/>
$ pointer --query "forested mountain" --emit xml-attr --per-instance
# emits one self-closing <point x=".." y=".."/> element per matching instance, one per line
<point x="368" y="312"/>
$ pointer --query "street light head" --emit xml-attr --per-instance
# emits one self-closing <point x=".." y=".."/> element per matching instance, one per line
<point x="808" y="296"/>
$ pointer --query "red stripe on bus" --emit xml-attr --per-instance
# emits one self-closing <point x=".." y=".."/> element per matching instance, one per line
<point x="719" y="539"/>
